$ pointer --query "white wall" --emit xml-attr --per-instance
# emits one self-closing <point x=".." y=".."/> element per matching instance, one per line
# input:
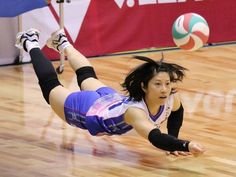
<point x="8" y="31"/>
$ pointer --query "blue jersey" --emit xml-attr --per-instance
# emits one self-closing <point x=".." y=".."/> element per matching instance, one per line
<point x="102" y="111"/>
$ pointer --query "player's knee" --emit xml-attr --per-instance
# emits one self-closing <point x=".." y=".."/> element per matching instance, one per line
<point x="47" y="86"/>
<point x="84" y="73"/>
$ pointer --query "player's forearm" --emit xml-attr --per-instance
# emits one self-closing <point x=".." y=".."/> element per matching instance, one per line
<point x="167" y="142"/>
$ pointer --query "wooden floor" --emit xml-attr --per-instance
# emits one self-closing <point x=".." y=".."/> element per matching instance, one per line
<point x="34" y="142"/>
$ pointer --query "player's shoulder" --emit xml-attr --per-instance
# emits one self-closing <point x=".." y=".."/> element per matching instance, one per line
<point x="176" y="101"/>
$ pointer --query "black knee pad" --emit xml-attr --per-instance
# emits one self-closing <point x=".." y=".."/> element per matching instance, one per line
<point x="84" y="73"/>
<point x="47" y="85"/>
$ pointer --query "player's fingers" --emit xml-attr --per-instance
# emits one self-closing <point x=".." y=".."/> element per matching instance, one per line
<point x="175" y="153"/>
<point x="184" y="153"/>
<point x="198" y="150"/>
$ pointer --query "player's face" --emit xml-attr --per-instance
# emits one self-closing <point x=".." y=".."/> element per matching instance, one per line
<point x="159" y="88"/>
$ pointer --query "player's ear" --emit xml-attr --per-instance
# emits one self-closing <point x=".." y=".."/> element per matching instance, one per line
<point x="143" y="87"/>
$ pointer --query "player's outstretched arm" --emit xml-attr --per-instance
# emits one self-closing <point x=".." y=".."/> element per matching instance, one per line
<point x="137" y="118"/>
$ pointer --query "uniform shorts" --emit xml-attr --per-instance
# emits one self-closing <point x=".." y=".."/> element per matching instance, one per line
<point x="77" y="105"/>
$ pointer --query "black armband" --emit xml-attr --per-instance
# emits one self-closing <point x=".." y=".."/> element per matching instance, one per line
<point x="167" y="142"/>
<point x="175" y="121"/>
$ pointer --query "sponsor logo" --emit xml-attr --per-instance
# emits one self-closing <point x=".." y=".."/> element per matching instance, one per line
<point x="131" y="3"/>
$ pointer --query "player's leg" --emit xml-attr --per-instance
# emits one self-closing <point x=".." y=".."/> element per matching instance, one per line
<point x="86" y="76"/>
<point x="54" y="93"/>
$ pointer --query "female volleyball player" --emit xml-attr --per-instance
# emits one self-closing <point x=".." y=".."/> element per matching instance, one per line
<point x="103" y="111"/>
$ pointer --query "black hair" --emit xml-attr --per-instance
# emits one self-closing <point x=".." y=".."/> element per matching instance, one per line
<point x="141" y="75"/>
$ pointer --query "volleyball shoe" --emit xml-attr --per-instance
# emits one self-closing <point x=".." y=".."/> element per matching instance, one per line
<point x="58" y="41"/>
<point x="27" y="39"/>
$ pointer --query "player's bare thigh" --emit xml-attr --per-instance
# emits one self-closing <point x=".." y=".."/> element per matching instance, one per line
<point x="91" y="84"/>
<point x="57" y="99"/>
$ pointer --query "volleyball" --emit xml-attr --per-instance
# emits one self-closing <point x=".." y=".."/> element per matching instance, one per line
<point x="190" y="31"/>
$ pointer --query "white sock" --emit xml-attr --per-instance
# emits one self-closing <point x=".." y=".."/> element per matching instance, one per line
<point x="64" y="46"/>
<point x="30" y="45"/>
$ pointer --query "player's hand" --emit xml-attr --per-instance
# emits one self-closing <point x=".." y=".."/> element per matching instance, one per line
<point x="196" y="149"/>
<point x="178" y="153"/>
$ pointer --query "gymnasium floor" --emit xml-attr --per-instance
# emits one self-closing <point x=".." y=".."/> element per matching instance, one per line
<point x="34" y="142"/>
